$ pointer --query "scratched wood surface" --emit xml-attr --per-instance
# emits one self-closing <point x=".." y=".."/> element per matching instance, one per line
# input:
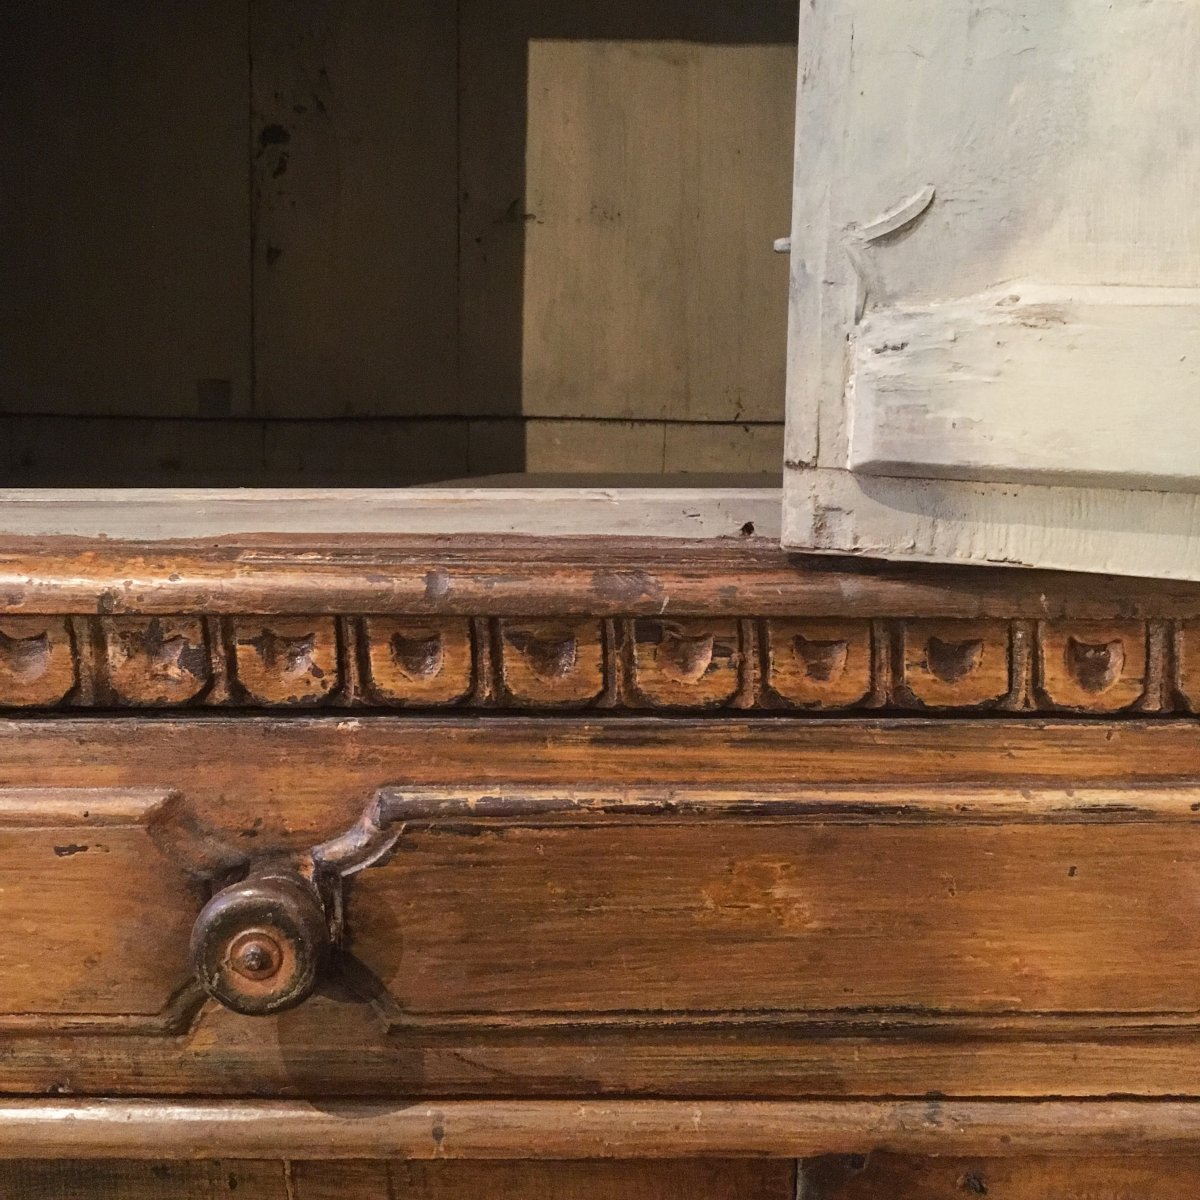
<point x="520" y="624"/>
<point x="1104" y="1177"/>
<point x="910" y="905"/>
<point x="68" y="1179"/>
<point x="687" y="1179"/>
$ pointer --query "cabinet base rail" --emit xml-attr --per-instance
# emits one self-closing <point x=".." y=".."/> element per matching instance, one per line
<point x="590" y="1129"/>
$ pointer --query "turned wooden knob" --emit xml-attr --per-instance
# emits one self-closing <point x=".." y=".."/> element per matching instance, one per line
<point x="258" y="945"/>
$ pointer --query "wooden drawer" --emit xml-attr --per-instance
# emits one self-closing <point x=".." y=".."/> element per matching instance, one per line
<point x="569" y="909"/>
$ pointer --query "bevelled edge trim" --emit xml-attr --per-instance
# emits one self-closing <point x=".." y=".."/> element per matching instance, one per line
<point x="611" y="578"/>
<point x="589" y="1129"/>
<point x="784" y="665"/>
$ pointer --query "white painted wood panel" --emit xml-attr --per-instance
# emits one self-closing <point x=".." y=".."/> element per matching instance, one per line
<point x="1027" y="383"/>
<point x="951" y="156"/>
<point x="152" y="514"/>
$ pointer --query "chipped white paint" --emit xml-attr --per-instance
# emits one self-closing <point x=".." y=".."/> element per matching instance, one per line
<point x="1023" y="525"/>
<point x="1055" y="145"/>
<point x="1088" y="386"/>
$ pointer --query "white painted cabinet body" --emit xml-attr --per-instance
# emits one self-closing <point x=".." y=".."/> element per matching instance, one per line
<point x="995" y="328"/>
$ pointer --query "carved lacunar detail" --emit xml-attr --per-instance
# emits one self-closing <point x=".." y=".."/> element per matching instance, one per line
<point x="558" y="663"/>
<point x="1095" y="667"/>
<point x="289" y="655"/>
<point x="418" y="657"/>
<point x="823" y="661"/>
<point x="156" y="660"/>
<point x="550" y="657"/>
<point x="952" y="661"/>
<point x="414" y="660"/>
<point x="685" y="657"/>
<point x="288" y="660"/>
<point x="37" y="665"/>
<point x="25" y="657"/>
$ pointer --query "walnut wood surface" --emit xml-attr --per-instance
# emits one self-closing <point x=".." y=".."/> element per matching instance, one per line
<point x="507" y="576"/>
<point x="685" y="1179"/>
<point x="1102" y="1177"/>
<point x="562" y="624"/>
<point x="595" y="905"/>
<point x="688" y="1179"/>
<point x="894" y="907"/>
<point x="591" y="1130"/>
<point x="786" y="666"/>
<point x="846" y="1177"/>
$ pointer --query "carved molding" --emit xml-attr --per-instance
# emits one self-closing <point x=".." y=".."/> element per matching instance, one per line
<point x="786" y="665"/>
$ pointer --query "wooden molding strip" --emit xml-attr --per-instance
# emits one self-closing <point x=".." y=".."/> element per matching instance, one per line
<point x="498" y="576"/>
<point x="793" y="665"/>
<point x="589" y="1129"/>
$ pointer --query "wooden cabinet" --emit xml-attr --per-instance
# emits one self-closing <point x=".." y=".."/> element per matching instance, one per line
<point x="580" y="842"/>
<point x="540" y="853"/>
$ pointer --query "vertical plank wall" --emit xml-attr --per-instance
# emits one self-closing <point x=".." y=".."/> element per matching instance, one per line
<point x="378" y="242"/>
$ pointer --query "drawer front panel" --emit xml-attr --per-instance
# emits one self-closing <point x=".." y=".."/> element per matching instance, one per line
<point x="671" y="917"/>
<point x="561" y="908"/>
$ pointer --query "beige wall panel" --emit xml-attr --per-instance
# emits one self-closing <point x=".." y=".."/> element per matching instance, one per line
<point x="697" y="448"/>
<point x="124" y="254"/>
<point x="597" y="446"/>
<point x="616" y="241"/>
<point x="656" y="180"/>
<point x="355" y="248"/>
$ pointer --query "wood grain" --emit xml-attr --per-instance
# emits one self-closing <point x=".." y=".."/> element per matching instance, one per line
<point x="1102" y="1177"/>
<point x="573" y="1130"/>
<point x="355" y="210"/>
<point x="334" y="570"/>
<point x="80" y="869"/>
<point x="88" y="1179"/>
<point x="1017" y="931"/>
<point x="125" y="232"/>
<point x="815" y="924"/>
<point x="686" y="1179"/>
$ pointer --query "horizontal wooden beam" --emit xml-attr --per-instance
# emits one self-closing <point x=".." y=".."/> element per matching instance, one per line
<point x="164" y="513"/>
<point x="742" y="575"/>
<point x="589" y="1129"/>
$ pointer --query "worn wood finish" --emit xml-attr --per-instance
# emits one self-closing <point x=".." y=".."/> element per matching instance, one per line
<point x="330" y="568"/>
<point x="686" y="1179"/>
<point x="543" y="624"/>
<point x="781" y="665"/>
<point x="1100" y="1177"/>
<point x="606" y="1179"/>
<point x="591" y="1130"/>
<point x="695" y="514"/>
<point x="144" y="1179"/>
<point x="76" y="869"/>
<point x="556" y="940"/>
